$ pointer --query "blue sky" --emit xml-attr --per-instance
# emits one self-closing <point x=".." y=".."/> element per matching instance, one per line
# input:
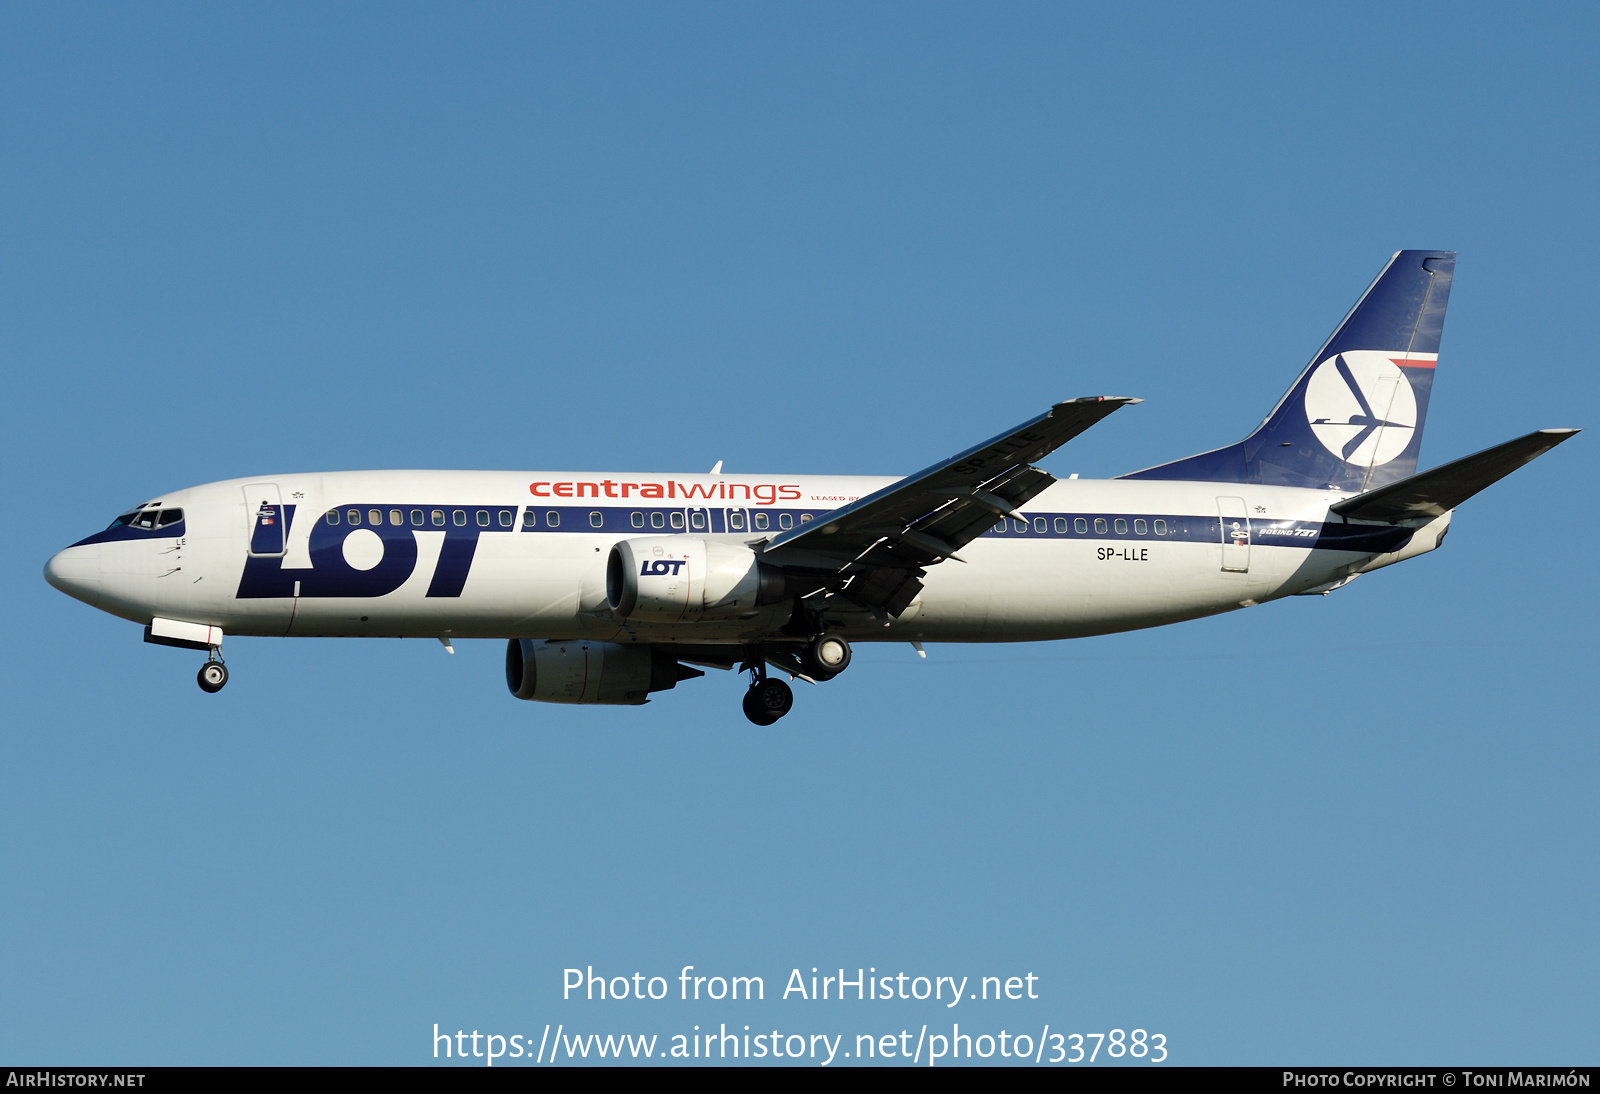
<point x="248" y="239"/>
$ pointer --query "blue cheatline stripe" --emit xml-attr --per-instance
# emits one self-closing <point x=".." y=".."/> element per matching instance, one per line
<point x="331" y="575"/>
<point x="614" y="520"/>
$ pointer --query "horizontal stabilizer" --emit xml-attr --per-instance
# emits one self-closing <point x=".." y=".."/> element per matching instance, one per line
<point x="1436" y="492"/>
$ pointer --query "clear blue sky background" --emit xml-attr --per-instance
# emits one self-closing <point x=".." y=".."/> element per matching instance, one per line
<point x="245" y="239"/>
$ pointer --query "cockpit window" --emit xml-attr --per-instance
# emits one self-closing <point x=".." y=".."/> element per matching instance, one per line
<point x="169" y="516"/>
<point x="124" y="520"/>
<point x="147" y="519"/>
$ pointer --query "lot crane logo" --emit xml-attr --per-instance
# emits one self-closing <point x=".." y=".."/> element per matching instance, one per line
<point x="1360" y="407"/>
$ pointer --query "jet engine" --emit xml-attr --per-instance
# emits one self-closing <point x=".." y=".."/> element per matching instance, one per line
<point x="671" y="579"/>
<point x="576" y="671"/>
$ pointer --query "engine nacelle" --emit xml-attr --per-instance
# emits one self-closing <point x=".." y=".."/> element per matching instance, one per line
<point x="579" y="671"/>
<point x="670" y="579"/>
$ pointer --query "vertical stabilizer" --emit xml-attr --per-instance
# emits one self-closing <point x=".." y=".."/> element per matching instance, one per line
<point x="1353" y="420"/>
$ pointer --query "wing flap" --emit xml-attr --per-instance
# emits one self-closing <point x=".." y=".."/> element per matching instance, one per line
<point x="882" y="544"/>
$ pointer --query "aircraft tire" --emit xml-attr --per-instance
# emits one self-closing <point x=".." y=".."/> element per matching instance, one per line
<point x="213" y="677"/>
<point x="754" y="711"/>
<point x="826" y="656"/>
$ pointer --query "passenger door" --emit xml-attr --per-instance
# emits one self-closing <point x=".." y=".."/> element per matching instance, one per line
<point x="264" y="511"/>
<point x="1234" y="523"/>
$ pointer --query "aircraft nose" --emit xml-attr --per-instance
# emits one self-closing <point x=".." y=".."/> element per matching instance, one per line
<point x="76" y="572"/>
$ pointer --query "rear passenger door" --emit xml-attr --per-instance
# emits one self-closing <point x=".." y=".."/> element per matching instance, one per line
<point x="1234" y="522"/>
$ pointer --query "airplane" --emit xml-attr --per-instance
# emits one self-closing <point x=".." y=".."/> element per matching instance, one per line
<point x="611" y="587"/>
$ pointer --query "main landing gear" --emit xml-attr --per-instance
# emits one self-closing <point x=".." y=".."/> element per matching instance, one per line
<point x="826" y="656"/>
<point x="768" y="698"/>
<point x="213" y="675"/>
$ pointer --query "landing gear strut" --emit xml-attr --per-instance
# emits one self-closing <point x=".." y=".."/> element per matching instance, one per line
<point x="213" y="676"/>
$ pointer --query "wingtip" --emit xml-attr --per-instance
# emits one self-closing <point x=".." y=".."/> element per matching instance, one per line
<point x="1565" y="432"/>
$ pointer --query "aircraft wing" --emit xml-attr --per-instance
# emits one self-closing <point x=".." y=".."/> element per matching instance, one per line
<point x="879" y="545"/>
<point x="1434" y="493"/>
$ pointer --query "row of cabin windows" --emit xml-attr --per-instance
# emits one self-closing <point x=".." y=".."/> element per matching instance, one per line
<point x="760" y="521"/>
<point x="552" y="519"/>
<point x="419" y="519"/>
<point x="1080" y="525"/>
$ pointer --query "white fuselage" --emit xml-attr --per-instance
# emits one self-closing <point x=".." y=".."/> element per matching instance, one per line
<point x="477" y="555"/>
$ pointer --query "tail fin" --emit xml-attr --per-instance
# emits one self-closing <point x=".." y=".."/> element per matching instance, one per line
<point x="1353" y="420"/>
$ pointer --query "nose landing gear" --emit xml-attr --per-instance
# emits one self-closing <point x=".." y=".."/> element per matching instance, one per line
<point x="213" y="676"/>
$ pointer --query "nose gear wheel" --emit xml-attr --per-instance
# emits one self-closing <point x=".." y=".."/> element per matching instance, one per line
<point x="213" y="677"/>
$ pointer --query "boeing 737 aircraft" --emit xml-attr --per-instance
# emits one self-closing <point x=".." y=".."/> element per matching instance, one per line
<point x="612" y="586"/>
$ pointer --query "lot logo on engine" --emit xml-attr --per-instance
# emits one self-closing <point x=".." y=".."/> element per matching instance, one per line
<point x="660" y="566"/>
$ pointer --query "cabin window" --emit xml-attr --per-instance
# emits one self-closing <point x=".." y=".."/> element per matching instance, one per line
<point x="353" y="516"/>
<point x="736" y="521"/>
<point x="761" y="521"/>
<point x="596" y="519"/>
<point x="1001" y="527"/>
<point x="553" y="519"/>
<point x="333" y="516"/>
<point x="805" y="518"/>
<point x="1121" y="526"/>
<point x="438" y="518"/>
<point x="1139" y="527"/>
<point x="1099" y="526"/>
<point x="1061" y="526"/>
<point x="1040" y="524"/>
<point x="1080" y="526"/>
<point x="785" y="521"/>
<point x="697" y="521"/>
<point x="677" y="521"/>
<point x="459" y="518"/>
<point x="374" y="516"/>
<point x="1022" y="525"/>
<point x="483" y="518"/>
<point x="1161" y="527"/>
<point x="416" y="517"/>
<point x="396" y="517"/>
<point x="530" y="519"/>
<point x="505" y="518"/>
<point x="658" y="520"/>
<point x="636" y="519"/>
